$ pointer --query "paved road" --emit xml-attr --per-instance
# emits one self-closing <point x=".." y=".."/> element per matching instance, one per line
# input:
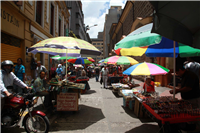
<point x="100" y="111"/>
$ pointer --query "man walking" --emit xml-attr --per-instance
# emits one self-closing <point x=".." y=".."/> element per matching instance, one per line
<point x="97" y="73"/>
<point x="104" y="74"/>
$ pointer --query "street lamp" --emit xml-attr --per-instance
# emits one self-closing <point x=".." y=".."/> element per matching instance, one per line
<point x="88" y="27"/>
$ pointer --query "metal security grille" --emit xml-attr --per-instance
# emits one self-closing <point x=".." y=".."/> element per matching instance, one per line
<point x="10" y="40"/>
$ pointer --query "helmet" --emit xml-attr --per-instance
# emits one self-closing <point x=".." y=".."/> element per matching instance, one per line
<point x="7" y="62"/>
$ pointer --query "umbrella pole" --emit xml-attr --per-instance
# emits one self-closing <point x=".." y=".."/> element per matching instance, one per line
<point x="66" y="64"/>
<point x="174" y="76"/>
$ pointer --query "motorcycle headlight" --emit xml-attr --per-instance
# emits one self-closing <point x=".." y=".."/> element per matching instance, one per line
<point x="27" y="102"/>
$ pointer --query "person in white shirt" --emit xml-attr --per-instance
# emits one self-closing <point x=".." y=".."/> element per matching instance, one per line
<point x="104" y="74"/>
<point x="8" y="78"/>
<point x="64" y="70"/>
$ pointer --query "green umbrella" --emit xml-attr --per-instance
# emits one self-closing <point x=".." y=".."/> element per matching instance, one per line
<point x="57" y="57"/>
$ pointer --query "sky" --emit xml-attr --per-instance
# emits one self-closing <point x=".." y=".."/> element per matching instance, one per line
<point x="94" y="13"/>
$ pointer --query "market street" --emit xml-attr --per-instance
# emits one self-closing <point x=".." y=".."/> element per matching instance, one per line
<point x="100" y="111"/>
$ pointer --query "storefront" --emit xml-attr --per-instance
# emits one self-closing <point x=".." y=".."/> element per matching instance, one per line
<point x="12" y="34"/>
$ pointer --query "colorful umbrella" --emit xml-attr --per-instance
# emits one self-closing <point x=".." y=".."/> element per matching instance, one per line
<point x="143" y="37"/>
<point x="57" y="57"/>
<point x="58" y="51"/>
<point x="101" y="64"/>
<point x="80" y="60"/>
<point x="162" y="47"/>
<point x="101" y="61"/>
<point x="90" y="59"/>
<point x="67" y="43"/>
<point x="120" y="60"/>
<point x="146" y="68"/>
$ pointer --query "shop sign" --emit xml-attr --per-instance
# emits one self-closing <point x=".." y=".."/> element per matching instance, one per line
<point x="67" y="102"/>
<point x="9" y="17"/>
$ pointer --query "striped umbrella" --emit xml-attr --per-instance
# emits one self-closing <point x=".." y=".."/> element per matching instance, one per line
<point x="58" y="51"/>
<point x="146" y="68"/>
<point x="120" y="60"/>
<point x="81" y="60"/>
<point x="67" y="43"/>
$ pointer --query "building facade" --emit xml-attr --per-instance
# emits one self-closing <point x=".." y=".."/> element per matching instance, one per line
<point x="76" y="20"/>
<point x="24" y="23"/>
<point x="112" y="17"/>
<point x="98" y="43"/>
<point x="136" y="14"/>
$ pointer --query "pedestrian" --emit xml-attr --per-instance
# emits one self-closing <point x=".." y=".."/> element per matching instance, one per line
<point x="20" y="73"/>
<point x="64" y="70"/>
<point x="53" y="70"/>
<point x="89" y="72"/>
<point x="39" y="69"/>
<point x="97" y="73"/>
<point x="59" y="71"/>
<point x="104" y="75"/>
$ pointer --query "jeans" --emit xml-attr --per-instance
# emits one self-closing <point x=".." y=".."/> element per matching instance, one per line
<point x="97" y="77"/>
<point x="105" y="79"/>
<point x="47" y="100"/>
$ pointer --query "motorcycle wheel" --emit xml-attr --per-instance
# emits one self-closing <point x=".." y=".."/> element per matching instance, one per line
<point x="40" y="124"/>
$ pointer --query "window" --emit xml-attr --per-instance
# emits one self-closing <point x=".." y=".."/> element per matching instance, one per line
<point x="101" y="43"/>
<point x="77" y="26"/>
<point x="59" y="27"/>
<point x="98" y="43"/>
<point x="52" y="19"/>
<point x="94" y="43"/>
<point x="18" y="3"/>
<point x="64" y="30"/>
<point x="77" y="15"/>
<point x="39" y="12"/>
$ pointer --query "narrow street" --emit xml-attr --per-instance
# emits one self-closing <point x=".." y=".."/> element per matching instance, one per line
<point x="100" y="111"/>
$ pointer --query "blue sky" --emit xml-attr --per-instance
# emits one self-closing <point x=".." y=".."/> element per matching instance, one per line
<point x="94" y="13"/>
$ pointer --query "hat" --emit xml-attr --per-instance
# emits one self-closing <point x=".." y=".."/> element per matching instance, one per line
<point x="59" y="65"/>
<point x="148" y="77"/>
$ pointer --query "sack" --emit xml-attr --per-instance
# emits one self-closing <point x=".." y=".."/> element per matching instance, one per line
<point x="101" y="80"/>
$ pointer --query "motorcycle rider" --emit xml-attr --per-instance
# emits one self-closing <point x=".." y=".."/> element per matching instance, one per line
<point x="8" y="78"/>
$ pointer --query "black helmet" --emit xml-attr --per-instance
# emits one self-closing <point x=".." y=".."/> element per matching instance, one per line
<point x="7" y="62"/>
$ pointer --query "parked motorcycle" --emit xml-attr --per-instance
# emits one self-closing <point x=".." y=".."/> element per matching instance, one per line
<point x="14" y="108"/>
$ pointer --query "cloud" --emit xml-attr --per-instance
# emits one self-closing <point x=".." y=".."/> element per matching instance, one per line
<point x="95" y="11"/>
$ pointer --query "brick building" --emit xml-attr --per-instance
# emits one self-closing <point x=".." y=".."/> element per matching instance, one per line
<point x="136" y="14"/>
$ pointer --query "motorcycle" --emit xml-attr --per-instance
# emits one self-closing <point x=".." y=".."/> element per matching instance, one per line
<point x="14" y="108"/>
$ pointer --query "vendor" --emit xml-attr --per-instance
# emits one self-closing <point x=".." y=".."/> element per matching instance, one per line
<point x="189" y="88"/>
<point x="149" y="85"/>
<point x="131" y="82"/>
<point x="114" y="74"/>
<point x="38" y="87"/>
